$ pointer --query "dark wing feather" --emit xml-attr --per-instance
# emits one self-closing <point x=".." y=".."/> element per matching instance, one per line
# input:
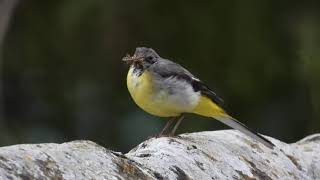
<point x="166" y="68"/>
<point x="205" y="90"/>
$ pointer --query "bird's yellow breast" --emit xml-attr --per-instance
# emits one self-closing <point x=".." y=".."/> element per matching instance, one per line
<point x="147" y="97"/>
<point x="140" y="87"/>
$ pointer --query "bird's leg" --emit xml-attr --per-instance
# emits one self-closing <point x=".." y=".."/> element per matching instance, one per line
<point x="167" y="126"/>
<point x="180" y="118"/>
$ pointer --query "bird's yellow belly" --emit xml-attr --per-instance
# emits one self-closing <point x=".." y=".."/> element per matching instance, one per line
<point x="148" y="98"/>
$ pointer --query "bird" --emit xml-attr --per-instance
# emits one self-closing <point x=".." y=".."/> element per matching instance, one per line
<point x="164" y="88"/>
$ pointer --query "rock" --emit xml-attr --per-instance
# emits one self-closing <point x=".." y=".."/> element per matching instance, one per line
<point x="224" y="154"/>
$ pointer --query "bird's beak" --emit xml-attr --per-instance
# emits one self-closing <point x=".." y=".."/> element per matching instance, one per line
<point x="132" y="59"/>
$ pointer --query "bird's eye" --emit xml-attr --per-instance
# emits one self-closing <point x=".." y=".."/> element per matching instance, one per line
<point x="150" y="59"/>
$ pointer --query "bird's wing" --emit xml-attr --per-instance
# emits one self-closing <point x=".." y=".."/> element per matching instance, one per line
<point x="166" y="69"/>
<point x="205" y="90"/>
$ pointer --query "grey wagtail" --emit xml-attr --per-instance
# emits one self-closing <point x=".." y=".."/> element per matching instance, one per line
<point x="166" y="89"/>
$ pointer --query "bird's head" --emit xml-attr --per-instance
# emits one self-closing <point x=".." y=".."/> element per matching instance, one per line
<point x="143" y="56"/>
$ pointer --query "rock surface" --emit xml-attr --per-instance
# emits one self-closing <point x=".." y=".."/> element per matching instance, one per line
<point x="224" y="154"/>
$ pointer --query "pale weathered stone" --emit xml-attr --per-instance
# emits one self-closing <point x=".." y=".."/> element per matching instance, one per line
<point x="224" y="154"/>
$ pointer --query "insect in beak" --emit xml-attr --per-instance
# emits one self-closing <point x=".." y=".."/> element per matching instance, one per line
<point x="132" y="59"/>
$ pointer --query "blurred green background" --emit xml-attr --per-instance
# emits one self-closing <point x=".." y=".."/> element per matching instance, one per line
<point x="63" y="79"/>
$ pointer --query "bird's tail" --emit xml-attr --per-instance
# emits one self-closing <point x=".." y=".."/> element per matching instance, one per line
<point x="206" y="107"/>
<point x="235" y="124"/>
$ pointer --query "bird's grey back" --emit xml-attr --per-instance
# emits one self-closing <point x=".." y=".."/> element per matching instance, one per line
<point x="166" y="68"/>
